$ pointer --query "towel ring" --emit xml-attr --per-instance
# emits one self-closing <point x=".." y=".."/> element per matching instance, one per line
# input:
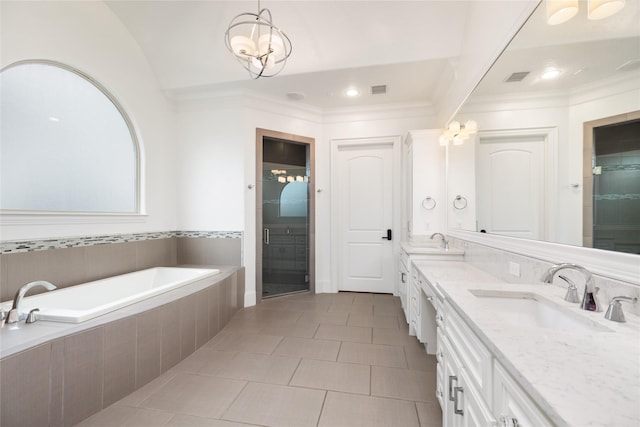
<point x="429" y="203"/>
<point x="459" y="202"/>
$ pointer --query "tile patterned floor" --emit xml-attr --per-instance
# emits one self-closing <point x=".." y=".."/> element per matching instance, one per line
<point x="329" y="360"/>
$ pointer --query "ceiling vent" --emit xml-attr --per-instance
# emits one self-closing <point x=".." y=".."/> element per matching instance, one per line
<point x="517" y="77"/>
<point x="378" y="90"/>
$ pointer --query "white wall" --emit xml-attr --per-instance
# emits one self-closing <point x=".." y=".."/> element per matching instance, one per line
<point x="217" y="162"/>
<point x="87" y="36"/>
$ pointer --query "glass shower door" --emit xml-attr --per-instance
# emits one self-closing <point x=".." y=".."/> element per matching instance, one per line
<point x="285" y="218"/>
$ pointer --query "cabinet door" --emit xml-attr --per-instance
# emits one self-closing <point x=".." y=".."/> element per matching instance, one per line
<point x="476" y="413"/>
<point x="512" y="403"/>
<point x="451" y="376"/>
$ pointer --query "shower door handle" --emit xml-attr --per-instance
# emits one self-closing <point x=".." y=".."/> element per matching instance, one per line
<point x="265" y="236"/>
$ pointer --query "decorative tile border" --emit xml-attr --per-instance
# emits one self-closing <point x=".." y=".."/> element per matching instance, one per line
<point x="11" y="247"/>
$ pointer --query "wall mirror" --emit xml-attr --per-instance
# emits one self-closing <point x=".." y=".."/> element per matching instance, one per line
<point x="67" y="145"/>
<point x="531" y="170"/>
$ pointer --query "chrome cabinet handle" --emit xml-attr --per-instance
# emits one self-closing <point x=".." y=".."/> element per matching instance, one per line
<point x="452" y="378"/>
<point x="265" y="236"/>
<point x="403" y="277"/>
<point x="456" y="401"/>
<point x="506" y="421"/>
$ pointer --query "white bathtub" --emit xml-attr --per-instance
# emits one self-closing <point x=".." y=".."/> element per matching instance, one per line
<point x="80" y="303"/>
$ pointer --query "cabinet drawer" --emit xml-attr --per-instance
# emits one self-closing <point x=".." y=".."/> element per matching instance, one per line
<point x="473" y="354"/>
<point x="512" y="404"/>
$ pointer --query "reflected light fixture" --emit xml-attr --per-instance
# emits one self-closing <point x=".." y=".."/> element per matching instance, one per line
<point x="457" y="133"/>
<point x="550" y="74"/>
<point x="258" y="45"/>
<point x="600" y="9"/>
<point x="559" y="11"/>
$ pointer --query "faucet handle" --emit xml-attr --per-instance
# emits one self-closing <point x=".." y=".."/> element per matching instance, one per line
<point x="572" y="290"/>
<point x="32" y="317"/>
<point x="614" y="312"/>
<point x="13" y="316"/>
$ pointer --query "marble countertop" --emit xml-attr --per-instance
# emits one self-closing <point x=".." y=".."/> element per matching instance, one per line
<point x="578" y="378"/>
<point x="425" y="249"/>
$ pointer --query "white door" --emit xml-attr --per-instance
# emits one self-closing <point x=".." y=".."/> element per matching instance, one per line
<point x="511" y="187"/>
<point x="364" y="195"/>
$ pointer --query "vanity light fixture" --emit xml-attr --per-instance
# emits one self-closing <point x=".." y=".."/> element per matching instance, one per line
<point x="258" y="45"/>
<point x="457" y="133"/>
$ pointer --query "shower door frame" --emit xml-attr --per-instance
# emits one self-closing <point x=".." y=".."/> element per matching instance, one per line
<point x="295" y="139"/>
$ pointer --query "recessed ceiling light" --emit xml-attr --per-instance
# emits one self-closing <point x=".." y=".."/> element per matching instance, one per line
<point x="352" y="92"/>
<point x="550" y="74"/>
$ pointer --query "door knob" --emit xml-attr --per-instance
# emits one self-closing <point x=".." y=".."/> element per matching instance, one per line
<point x="388" y="236"/>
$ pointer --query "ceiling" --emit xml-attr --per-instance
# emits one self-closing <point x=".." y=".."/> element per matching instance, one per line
<point x="406" y="45"/>
<point x="586" y="52"/>
<point x="409" y="46"/>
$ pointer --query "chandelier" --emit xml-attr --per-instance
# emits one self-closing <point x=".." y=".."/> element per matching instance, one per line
<point x="258" y="45"/>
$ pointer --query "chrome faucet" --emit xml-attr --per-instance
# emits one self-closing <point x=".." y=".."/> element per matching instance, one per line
<point x="444" y="243"/>
<point x="614" y="312"/>
<point x="589" y="299"/>
<point x="14" y="315"/>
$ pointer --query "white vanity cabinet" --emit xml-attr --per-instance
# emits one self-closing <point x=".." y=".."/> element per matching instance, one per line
<point x="466" y="367"/>
<point x="472" y="386"/>
<point x="511" y="404"/>
<point x="411" y="285"/>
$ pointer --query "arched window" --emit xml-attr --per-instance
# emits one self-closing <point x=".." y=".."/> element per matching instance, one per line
<point x="66" y="145"/>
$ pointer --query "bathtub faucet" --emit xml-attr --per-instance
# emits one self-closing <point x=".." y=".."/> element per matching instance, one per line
<point x="14" y="315"/>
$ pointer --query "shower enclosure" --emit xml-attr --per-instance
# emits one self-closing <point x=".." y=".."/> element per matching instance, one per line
<point x="284" y="217"/>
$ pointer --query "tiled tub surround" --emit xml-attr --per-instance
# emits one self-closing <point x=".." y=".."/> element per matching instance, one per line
<point x="58" y="374"/>
<point x="71" y="261"/>
<point x="496" y="262"/>
<point x="576" y="378"/>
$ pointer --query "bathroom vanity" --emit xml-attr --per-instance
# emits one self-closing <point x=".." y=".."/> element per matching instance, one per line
<point x="409" y="288"/>
<point x="519" y="355"/>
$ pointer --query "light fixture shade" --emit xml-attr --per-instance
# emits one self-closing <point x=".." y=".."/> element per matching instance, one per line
<point x="600" y="9"/>
<point x="559" y="11"/>
<point x="242" y="45"/>
<point x="454" y="126"/>
<point x="258" y="45"/>
<point x="471" y="126"/>
<point x="443" y="140"/>
<point x="273" y="41"/>
<point x="458" y="140"/>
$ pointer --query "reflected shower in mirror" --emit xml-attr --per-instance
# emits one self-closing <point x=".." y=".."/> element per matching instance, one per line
<point x="528" y="172"/>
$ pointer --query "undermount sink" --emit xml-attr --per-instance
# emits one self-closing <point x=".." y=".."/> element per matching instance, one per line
<point x="530" y="309"/>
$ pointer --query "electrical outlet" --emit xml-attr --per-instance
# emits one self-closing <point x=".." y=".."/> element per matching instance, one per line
<point x="514" y="268"/>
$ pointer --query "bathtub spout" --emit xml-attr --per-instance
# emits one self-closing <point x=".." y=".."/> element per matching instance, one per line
<point x="14" y="315"/>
